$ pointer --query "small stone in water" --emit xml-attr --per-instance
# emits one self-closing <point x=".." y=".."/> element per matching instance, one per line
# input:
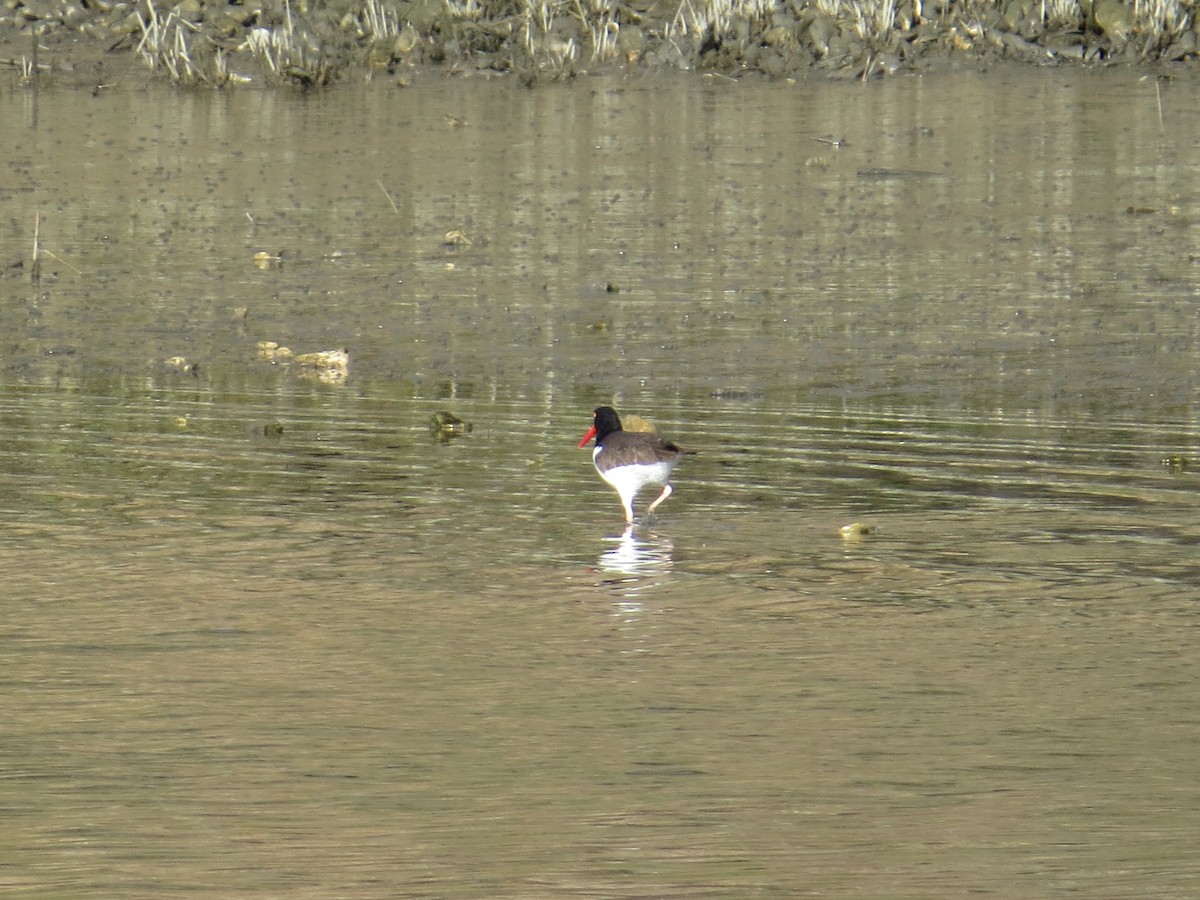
<point x="447" y="423"/>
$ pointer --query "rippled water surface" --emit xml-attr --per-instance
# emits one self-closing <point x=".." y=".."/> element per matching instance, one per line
<point x="270" y="636"/>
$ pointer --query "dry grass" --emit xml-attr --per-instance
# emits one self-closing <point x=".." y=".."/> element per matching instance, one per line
<point x="289" y="53"/>
<point x="1160" y="21"/>
<point x="600" y="20"/>
<point x="546" y="52"/>
<point x="380" y="22"/>
<point x="550" y="37"/>
<point x="717" y="17"/>
<point x="179" y="48"/>
<point x="468" y="10"/>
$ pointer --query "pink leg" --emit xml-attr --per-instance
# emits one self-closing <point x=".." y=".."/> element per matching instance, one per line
<point x="666" y="492"/>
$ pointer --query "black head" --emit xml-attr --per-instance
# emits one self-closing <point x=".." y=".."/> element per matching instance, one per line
<point x="607" y="422"/>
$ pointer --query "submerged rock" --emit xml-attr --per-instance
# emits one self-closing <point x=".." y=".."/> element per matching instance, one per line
<point x="328" y="366"/>
<point x="183" y="365"/>
<point x="637" y="423"/>
<point x="445" y="424"/>
<point x="855" y="531"/>
<point x="272" y="430"/>
<point x="273" y="352"/>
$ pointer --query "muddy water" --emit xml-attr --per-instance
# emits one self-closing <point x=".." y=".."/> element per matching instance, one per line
<point x="269" y="636"/>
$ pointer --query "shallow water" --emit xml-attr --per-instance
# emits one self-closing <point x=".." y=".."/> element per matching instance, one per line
<point x="354" y="659"/>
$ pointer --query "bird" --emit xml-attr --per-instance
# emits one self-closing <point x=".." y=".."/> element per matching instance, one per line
<point x="630" y="460"/>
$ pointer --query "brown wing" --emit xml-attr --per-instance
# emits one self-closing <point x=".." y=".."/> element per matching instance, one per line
<point x="628" y="448"/>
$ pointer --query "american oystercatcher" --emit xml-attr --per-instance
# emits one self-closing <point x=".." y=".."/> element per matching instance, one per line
<point x="630" y="460"/>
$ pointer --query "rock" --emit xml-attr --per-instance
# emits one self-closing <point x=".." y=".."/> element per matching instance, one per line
<point x="406" y="40"/>
<point x="1183" y="47"/>
<point x="445" y="424"/>
<point x="782" y="37"/>
<point x="630" y="41"/>
<point x="190" y="10"/>
<point x="379" y="55"/>
<point x="638" y="424"/>
<point x="327" y="366"/>
<point x="822" y="32"/>
<point x="1113" y="18"/>
<point x="131" y="24"/>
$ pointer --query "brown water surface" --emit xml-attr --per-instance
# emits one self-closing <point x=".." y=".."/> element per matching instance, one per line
<point x="352" y="659"/>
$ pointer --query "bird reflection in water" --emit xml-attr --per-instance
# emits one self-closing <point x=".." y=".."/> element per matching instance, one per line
<point x="637" y="559"/>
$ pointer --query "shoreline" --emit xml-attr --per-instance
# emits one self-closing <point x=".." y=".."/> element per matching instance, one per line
<point x="264" y="42"/>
